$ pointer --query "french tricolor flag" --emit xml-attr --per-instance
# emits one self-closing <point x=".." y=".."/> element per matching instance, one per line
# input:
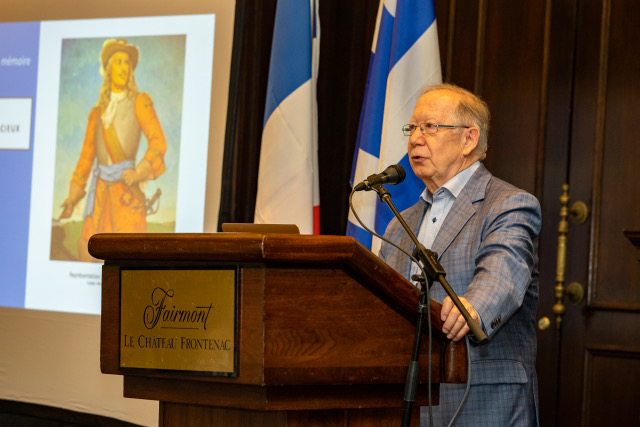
<point x="288" y="190"/>
<point x="404" y="59"/>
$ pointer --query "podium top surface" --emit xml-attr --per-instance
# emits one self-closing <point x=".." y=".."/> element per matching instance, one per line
<point x="246" y="247"/>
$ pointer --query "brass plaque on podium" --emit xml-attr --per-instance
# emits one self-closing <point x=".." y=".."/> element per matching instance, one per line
<point x="179" y="320"/>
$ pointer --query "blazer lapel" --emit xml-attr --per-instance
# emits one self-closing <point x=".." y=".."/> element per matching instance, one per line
<point x="462" y="210"/>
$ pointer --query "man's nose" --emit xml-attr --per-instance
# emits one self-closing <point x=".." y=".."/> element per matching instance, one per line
<point x="417" y="137"/>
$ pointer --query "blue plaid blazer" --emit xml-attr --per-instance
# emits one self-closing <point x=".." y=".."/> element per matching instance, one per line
<point x="488" y="247"/>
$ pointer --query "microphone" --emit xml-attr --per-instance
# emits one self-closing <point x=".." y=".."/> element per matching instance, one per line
<point x="393" y="175"/>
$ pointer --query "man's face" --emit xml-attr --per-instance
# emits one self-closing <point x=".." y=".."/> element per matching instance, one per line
<point x="120" y="68"/>
<point x="436" y="158"/>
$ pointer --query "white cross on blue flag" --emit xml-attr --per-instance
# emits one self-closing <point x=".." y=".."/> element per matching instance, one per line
<point x="404" y="59"/>
<point x="288" y="175"/>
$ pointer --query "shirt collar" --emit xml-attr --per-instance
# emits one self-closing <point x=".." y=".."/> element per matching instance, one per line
<point x="454" y="185"/>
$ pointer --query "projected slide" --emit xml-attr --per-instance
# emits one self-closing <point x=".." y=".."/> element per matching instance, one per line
<point x="104" y="127"/>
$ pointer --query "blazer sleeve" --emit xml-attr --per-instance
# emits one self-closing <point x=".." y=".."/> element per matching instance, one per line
<point x="506" y="260"/>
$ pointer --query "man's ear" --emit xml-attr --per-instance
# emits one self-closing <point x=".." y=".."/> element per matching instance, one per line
<point x="471" y="140"/>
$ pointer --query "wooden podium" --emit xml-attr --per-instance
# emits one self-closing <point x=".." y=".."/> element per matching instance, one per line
<point x="325" y="332"/>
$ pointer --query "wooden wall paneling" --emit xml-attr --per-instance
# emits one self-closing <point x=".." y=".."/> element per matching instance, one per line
<point x="512" y="86"/>
<point x="557" y="134"/>
<point x="600" y="365"/>
<point x="615" y="277"/>
<point x="457" y="36"/>
<point x="599" y="256"/>
<point x="445" y="16"/>
<point x="496" y="49"/>
<point x="584" y="111"/>
<point x="603" y="127"/>
<point x="599" y="87"/>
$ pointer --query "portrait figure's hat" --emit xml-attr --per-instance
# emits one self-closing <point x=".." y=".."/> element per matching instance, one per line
<point x="112" y="46"/>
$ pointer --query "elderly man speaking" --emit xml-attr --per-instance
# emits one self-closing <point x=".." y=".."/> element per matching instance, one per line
<point x="485" y="232"/>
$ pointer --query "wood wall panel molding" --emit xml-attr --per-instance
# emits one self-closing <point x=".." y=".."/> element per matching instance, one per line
<point x="616" y="401"/>
<point x="544" y="106"/>
<point x="613" y="276"/>
<point x="598" y="149"/>
<point x="481" y="35"/>
<point x="449" y="49"/>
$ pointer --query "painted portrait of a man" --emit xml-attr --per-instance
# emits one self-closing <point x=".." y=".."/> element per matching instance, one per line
<point x="124" y="147"/>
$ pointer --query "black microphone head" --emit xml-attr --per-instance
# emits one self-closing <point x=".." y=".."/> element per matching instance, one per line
<point x="395" y="173"/>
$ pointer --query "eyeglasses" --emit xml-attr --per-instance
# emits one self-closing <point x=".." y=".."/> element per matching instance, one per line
<point x="427" y="128"/>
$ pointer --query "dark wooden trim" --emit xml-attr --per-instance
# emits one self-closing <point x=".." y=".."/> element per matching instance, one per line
<point x="544" y="96"/>
<point x="478" y="84"/>
<point x="272" y="398"/>
<point x="634" y="238"/>
<point x="614" y="305"/>
<point x="631" y="351"/>
<point x="450" y="32"/>
<point x="598" y="155"/>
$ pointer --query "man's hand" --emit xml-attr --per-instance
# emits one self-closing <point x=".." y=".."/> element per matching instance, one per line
<point x="129" y="177"/>
<point x="142" y="172"/>
<point x="75" y="194"/>
<point x="67" y="209"/>
<point x="455" y="327"/>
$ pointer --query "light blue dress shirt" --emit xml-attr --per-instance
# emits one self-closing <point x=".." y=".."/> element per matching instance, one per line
<point x="438" y="206"/>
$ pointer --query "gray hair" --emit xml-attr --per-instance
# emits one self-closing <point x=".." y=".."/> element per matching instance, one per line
<point x="471" y="111"/>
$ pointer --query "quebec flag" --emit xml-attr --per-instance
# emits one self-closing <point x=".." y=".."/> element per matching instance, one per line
<point x="288" y="191"/>
<point x="404" y="59"/>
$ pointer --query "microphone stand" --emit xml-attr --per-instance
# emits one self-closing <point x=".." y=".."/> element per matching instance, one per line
<point x="435" y="272"/>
